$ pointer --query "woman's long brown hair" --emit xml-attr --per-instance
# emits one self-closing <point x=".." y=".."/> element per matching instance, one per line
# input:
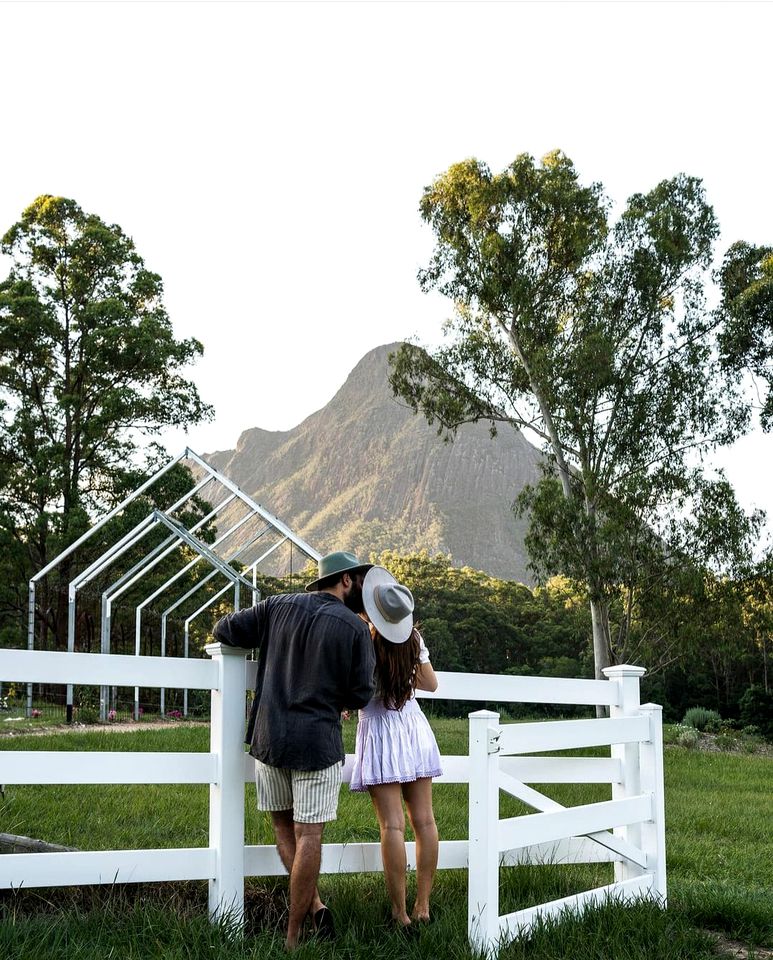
<point x="396" y="666"/>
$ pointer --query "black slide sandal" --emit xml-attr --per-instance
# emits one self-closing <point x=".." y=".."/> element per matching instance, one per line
<point x="323" y="925"/>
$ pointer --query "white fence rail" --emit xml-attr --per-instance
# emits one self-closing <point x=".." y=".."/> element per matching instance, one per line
<point x="498" y="759"/>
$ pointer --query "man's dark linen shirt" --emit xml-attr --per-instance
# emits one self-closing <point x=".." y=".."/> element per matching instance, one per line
<point x="315" y="659"/>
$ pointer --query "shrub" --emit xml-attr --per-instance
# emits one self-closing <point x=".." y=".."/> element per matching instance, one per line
<point x="726" y="741"/>
<point x="699" y="718"/>
<point x="198" y="703"/>
<point x="88" y="715"/>
<point x="671" y="733"/>
<point x="750" y="731"/>
<point x="688" y="737"/>
<point x="756" y="709"/>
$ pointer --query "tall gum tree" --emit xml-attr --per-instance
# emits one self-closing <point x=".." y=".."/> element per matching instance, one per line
<point x="746" y="341"/>
<point x="597" y="339"/>
<point x="88" y="364"/>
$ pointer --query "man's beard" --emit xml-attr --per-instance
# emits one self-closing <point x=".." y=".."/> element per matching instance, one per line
<point x="354" y="599"/>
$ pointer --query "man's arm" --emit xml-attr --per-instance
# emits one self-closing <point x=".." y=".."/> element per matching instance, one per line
<point x="362" y="681"/>
<point x="242" y="629"/>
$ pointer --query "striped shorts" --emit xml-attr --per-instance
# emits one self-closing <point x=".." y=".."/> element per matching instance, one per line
<point x="312" y="795"/>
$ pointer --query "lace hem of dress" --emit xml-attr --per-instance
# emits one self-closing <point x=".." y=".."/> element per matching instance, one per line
<point x="364" y="784"/>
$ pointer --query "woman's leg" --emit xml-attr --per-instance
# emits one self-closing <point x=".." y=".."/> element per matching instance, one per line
<point x="388" y="805"/>
<point x="418" y="800"/>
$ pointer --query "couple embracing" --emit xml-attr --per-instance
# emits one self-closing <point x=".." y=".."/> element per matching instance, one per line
<point x="349" y="642"/>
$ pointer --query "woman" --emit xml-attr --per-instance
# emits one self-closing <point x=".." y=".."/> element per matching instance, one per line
<point x="396" y="754"/>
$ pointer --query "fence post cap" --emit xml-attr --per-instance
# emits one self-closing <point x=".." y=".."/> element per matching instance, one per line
<point x="652" y="707"/>
<point x="623" y="670"/>
<point x="483" y="715"/>
<point x="217" y="649"/>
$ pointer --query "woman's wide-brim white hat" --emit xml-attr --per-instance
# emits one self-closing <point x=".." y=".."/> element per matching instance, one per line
<point x="388" y="604"/>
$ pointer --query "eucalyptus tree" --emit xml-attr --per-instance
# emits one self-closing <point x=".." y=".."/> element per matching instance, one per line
<point x="747" y="297"/>
<point x="89" y="364"/>
<point x="595" y="337"/>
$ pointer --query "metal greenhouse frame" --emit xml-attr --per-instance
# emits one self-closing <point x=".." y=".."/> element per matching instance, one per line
<point x="218" y="556"/>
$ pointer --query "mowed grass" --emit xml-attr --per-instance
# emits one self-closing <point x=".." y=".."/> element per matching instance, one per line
<point x="719" y="811"/>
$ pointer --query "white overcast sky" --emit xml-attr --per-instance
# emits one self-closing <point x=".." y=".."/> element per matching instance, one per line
<point x="268" y="158"/>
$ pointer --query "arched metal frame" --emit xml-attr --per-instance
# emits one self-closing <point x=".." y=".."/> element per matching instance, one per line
<point x="179" y="536"/>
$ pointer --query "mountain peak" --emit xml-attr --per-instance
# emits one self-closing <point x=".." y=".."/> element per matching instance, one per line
<point x="366" y="474"/>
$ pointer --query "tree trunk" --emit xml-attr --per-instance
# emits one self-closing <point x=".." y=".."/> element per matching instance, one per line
<point x="601" y="644"/>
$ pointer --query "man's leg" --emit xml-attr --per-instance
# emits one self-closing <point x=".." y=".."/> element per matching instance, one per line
<point x="315" y="802"/>
<point x="303" y="877"/>
<point x="284" y="832"/>
<point x="275" y="794"/>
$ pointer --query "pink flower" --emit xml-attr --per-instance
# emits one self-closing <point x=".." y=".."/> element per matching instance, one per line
<point x="35" y="714"/>
<point x="112" y="715"/>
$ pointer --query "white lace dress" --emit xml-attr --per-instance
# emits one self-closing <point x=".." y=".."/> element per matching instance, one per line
<point x="394" y="746"/>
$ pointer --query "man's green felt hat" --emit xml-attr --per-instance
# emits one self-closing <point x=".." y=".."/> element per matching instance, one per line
<point x="340" y="562"/>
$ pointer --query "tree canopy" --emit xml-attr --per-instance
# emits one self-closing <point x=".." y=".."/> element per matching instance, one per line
<point x="716" y="631"/>
<point x="88" y="362"/>
<point x="89" y="365"/>
<point x="596" y="337"/>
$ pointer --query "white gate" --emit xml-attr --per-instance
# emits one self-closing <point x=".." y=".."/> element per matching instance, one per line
<point x="494" y="762"/>
<point x="557" y="834"/>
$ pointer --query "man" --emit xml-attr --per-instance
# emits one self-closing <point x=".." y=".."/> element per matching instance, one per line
<point x="315" y="660"/>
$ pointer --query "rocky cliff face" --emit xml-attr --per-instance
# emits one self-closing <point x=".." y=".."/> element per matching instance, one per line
<point x="365" y="474"/>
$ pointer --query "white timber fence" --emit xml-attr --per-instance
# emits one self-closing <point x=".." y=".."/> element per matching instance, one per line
<point x="627" y="830"/>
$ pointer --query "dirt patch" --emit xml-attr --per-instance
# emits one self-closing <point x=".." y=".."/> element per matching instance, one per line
<point x="710" y="743"/>
<point x="739" y="950"/>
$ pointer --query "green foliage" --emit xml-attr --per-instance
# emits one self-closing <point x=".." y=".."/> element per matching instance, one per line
<point x="699" y="638"/>
<point x="746" y="278"/>
<point x="88" y="357"/>
<point x="756" y="709"/>
<point x="476" y="623"/>
<point x="87" y="701"/>
<point x="699" y="718"/>
<point x="595" y="337"/>
<point x="88" y="364"/>
<point x="688" y="737"/>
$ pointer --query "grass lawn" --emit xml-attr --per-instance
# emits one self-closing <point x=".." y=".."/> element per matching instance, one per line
<point x="719" y="811"/>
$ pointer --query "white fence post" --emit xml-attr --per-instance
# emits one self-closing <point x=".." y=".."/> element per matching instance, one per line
<point x="226" y="796"/>
<point x="483" y="850"/>
<point x="654" y="831"/>
<point x="627" y="678"/>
